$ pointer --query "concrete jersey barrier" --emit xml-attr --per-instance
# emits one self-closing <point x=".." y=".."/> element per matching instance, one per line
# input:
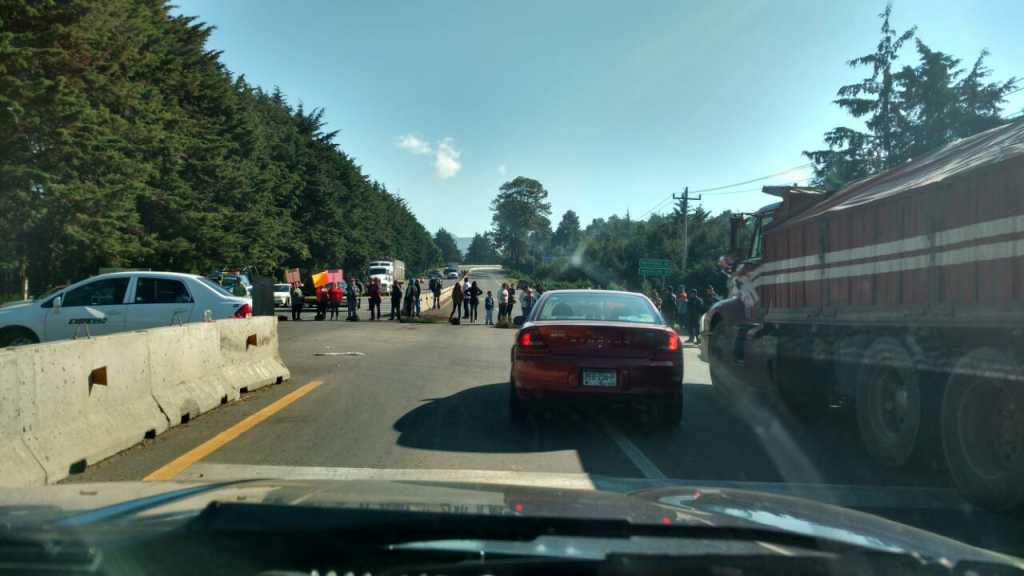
<point x="18" y="467"/>
<point x="92" y="399"/>
<point x="68" y="404"/>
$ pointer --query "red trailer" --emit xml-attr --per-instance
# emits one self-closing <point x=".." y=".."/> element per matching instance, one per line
<point x="900" y="297"/>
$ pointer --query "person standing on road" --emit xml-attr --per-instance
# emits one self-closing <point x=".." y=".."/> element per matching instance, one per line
<point x="511" y="304"/>
<point x="435" y="287"/>
<point x="360" y="290"/>
<point x="503" y="302"/>
<point x="668" y="306"/>
<point x="297" y="301"/>
<point x="335" y="296"/>
<point x="465" y="297"/>
<point x="474" y="301"/>
<point x="416" y="293"/>
<point x="456" y="301"/>
<point x="694" y="308"/>
<point x="710" y="298"/>
<point x="489" y="309"/>
<point x="322" y="298"/>
<point x="374" y="299"/>
<point x="396" y="301"/>
<point x="351" y="299"/>
<point x="680" y="300"/>
<point x="527" y="304"/>
<point x="408" y="307"/>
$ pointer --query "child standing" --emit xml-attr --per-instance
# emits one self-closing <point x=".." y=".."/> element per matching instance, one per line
<point x="489" y="309"/>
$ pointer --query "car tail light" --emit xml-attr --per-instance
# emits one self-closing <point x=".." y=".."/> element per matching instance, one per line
<point x="530" y="338"/>
<point x="673" y="342"/>
<point x="244" y="311"/>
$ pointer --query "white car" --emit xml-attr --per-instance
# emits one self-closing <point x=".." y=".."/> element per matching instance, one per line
<point x="282" y="295"/>
<point x="118" y="302"/>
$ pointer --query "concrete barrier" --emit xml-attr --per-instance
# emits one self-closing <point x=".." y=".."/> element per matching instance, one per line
<point x="92" y="399"/>
<point x="250" y="358"/>
<point x="17" y="465"/>
<point x="69" y="404"/>
<point x="186" y="374"/>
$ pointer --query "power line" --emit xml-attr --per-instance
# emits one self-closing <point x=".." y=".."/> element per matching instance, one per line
<point x="775" y="175"/>
<point x="752" y="180"/>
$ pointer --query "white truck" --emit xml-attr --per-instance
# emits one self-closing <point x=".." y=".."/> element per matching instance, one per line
<point x="388" y="272"/>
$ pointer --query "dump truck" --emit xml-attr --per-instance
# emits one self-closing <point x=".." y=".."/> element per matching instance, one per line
<point x="899" y="297"/>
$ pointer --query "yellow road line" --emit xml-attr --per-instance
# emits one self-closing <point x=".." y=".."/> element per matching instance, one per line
<point x="179" y="464"/>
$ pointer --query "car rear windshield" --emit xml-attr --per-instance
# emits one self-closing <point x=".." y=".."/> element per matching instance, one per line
<point x="598" y="306"/>
<point x="216" y="287"/>
<point x="282" y="288"/>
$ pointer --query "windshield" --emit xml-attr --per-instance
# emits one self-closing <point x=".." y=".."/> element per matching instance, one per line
<point x="598" y="306"/>
<point x="765" y="247"/>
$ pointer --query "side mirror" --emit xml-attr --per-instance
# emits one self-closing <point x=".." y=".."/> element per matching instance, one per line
<point x="57" y="303"/>
<point x="518" y="321"/>
<point x="735" y="225"/>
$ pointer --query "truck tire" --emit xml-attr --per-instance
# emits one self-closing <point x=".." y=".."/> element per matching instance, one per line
<point x="890" y="404"/>
<point x="983" y="429"/>
<point x="17" y="336"/>
<point x="717" y="357"/>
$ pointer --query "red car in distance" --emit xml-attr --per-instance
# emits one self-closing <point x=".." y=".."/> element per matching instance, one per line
<point x="599" y="345"/>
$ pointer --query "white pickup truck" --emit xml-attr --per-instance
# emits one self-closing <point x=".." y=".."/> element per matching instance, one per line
<point x="117" y="302"/>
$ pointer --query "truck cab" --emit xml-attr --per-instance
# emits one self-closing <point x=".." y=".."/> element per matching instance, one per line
<point x="384" y="272"/>
<point x="732" y="328"/>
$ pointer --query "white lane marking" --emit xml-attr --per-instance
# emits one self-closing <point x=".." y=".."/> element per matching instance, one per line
<point x="774" y="548"/>
<point x="635" y="455"/>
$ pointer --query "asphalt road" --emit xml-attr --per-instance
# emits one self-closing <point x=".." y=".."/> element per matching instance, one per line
<point x="431" y="396"/>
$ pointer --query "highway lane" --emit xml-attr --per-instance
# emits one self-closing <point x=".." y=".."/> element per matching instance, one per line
<point x="431" y="396"/>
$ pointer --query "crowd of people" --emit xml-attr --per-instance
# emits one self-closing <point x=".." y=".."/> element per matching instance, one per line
<point x="683" y="308"/>
<point x="466" y="302"/>
<point x="405" y="299"/>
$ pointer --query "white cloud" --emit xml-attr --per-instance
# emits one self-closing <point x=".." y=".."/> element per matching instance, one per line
<point x="415" y="145"/>
<point x="446" y="160"/>
<point x="502" y="170"/>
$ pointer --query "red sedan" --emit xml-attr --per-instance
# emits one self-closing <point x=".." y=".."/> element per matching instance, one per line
<point x="597" y="344"/>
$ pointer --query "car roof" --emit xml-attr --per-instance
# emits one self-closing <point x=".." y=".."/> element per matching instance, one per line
<point x="592" y="291"/>
<point x="146" y="272"/>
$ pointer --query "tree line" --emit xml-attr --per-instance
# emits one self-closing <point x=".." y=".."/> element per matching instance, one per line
<point x="125" y="142"/>
<point x="907" y="112"/>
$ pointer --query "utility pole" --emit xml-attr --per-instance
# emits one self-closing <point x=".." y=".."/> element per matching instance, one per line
<point x="686" y="213"/>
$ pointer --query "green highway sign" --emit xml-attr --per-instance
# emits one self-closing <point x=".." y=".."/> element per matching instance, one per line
<point x="651" y="265"/>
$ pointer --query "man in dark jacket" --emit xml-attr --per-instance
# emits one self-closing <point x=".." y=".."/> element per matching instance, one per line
<point x="374" y="292"/>
<point x="694" y="308"/>
<point x="396" y="301"/>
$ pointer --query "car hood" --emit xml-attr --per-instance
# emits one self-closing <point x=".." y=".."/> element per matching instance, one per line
<point x="79" y="505"/>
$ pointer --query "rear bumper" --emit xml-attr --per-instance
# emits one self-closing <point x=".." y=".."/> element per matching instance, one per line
<point x="562" y="377"/>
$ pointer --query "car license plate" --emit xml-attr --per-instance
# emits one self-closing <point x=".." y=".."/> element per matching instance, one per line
<point x="599" y="378"/>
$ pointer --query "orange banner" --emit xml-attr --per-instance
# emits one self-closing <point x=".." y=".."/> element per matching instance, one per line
<point x="320" y="279"/>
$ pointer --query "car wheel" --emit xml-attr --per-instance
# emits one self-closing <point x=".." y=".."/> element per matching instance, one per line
<point x="517" y="408"/>
<point x="17" y="337"/>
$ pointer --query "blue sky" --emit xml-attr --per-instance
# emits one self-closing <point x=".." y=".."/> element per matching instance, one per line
<point x="612" y="105"/>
